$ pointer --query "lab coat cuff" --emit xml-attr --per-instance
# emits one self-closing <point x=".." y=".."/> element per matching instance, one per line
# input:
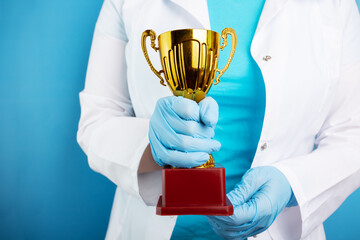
<point x="111" y="155"/>
<point x="298" y="196"/>
<point x="297" y="191"/>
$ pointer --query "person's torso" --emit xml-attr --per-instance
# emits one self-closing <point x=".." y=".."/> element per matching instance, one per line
<point x="289" y="60"/>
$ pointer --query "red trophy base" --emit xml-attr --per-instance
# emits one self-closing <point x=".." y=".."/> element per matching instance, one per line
<point x="194" y="191"/>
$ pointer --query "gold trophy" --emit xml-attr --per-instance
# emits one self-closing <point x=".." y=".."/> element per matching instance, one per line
<point x="189" y="59"/>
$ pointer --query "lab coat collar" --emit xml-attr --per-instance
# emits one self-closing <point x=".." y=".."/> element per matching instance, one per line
<point x="270" y="10"/>
<point x="196" y="9"/>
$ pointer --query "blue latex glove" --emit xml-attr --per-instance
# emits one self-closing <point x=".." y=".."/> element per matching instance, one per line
<point x="258" y="198"/>
<point x="181" y="131"/>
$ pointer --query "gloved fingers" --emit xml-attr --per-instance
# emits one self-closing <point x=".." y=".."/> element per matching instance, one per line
<point x="167" y="126"/>
<point x="235" y="228"/>
<point x="247" y="233"/>
<point x="164" y="156"/>
<point x="231" y="235"/>
<point x="240" y="227"/>
<point x="235" y="232"/>
<point x="190" y="144"/>
<point x="244" y="215"/>
<point x="191" y="128"/>
<point x="265" y="208"/>
<point x="185" y="108"/>
<point x="181" y="107"/>
<point x="169" y="116"/>
<point x="264" y="213"/>
<point x="247" y="187"/>
<point x="209" y="111"/>
<point x="253" y="231"/>
<point x="186" y="159"/>
<point x="224" y="232"/>
<point x="217" y="228"/>
<point x="172" y="140"/>
<point x="214" y="223"/>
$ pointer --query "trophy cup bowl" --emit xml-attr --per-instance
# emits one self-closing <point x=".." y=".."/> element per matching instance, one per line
<point x="189" y="59"/>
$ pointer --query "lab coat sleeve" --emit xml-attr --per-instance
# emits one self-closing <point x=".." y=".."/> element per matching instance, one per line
<point x="323" y="179"/>
<point x="109" y="133"/>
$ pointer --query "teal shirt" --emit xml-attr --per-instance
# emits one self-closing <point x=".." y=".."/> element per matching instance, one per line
<point x="241" y="99"/>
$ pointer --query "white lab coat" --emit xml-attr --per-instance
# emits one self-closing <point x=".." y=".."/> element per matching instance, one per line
<point x="312" y="102"/>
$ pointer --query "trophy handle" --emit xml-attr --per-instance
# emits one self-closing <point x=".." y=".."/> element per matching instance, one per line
<point x="224" y="33"/>
<point x="150" y="33"/>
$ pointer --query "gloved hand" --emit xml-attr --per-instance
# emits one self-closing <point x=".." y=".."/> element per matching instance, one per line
<point x="258" y="198"/>
<point x="181" y="131"/>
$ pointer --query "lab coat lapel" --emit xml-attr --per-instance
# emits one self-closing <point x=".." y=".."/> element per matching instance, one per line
<point x="197" y="9"/>
<point x="271" y="8"/>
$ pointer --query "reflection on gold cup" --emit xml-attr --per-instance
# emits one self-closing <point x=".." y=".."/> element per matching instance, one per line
<point x="189" y="58"/>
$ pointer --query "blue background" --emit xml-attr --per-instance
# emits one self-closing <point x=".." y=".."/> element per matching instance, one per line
<point x="47" y="190"/>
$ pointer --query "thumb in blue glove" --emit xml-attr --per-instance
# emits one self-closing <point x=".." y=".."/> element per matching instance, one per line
<point x="258" y="198"/>
<point x="209" y="112"/>
<point x="181" y="131"/>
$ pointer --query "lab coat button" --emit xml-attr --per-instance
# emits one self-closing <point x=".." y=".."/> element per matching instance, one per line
<point x="263" y="147"/>
<point x="266" y="58"/>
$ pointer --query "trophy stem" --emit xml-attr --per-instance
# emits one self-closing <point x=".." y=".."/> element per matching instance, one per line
<point x="196" y="95"/>
<point x="209" y="164"/>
